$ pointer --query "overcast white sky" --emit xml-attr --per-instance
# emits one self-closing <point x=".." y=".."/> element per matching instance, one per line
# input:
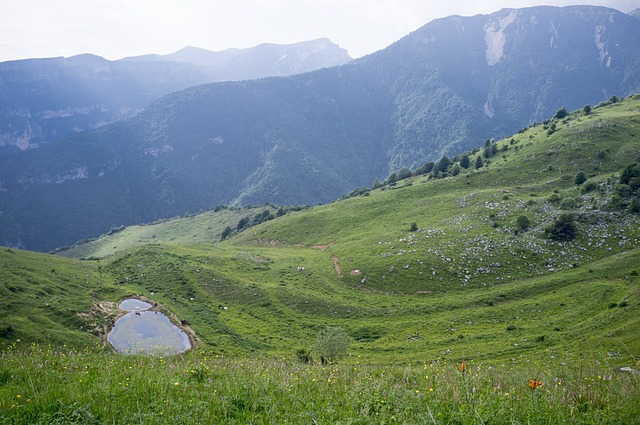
<point x="118" y="28"/>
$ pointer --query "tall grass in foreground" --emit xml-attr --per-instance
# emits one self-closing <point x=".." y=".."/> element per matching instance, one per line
<point x="43" y="385"/>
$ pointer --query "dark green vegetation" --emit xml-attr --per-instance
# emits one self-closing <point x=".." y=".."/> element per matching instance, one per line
<point x="310" y="138"/>
<point x="472" y="283"/>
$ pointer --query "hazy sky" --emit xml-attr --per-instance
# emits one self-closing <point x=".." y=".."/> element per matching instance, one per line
<point x="118" y="28"/>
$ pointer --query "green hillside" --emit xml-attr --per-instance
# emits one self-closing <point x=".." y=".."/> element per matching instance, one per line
<point x="422" y="274"/>
<point x="196" y="229"/>
<point x="466" y="281"/>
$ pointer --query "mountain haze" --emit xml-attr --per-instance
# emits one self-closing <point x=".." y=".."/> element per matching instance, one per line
<point x="264" y="60"/>
<point x="309" y="138"/>
<point x="45" y="99"/>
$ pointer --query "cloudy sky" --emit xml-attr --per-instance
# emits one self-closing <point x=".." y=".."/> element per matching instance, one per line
<point x="119" y="28"/>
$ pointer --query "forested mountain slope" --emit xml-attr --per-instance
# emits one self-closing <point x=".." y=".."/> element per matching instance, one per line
<point x="42" y="100"/>
<point x="309" y="138"/>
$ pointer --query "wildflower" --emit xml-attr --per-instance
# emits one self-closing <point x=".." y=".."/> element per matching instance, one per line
<point x="462" y="368"/>
<point x="534" y="383"/>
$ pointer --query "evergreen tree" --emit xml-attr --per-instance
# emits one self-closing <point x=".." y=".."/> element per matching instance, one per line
<point x="563" y="228"/>
<point x="403" y="173"/>
<point x="523" y="222"/>
<point x="465" y="161"/>
<point x="425" y="168"/>
<point x="479" y="162"/>
<point x="561" y="113"/>
<point x="225" y="233"/>
<point x="455" y="170"/>
<point x="443" y="164"/>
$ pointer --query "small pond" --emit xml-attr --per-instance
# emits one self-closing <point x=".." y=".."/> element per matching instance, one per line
<point x="146" y="332"/>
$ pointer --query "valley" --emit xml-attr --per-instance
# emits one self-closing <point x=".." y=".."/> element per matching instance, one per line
<point x="375" y="242"/>
<point x="467" y="285"/>
<point x="405" y="287"/>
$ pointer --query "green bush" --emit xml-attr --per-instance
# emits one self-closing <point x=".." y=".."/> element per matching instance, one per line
<point x="403" y="173"/>
<point x="523" y="222"/>
<point x="580" y="178"/>
<point x="634" y="206"/>
<point x="589" y="186"/>
<point x="5" y="329"/>
<point x="631" y="176"/>
<point x="568" y="204"/>
<point x="563" y="228"/>
<point x="331" y="344"/>
<point x="304" y="355"/>
<point x="561" y="113"/>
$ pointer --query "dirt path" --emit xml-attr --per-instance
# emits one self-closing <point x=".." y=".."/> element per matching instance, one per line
<point x="336" y="265"/>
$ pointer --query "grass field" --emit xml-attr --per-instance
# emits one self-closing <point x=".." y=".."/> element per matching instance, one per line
<point x="63" y="386"/>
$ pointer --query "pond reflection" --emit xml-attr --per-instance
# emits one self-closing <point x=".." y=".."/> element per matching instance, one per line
<point x="146" y="332"/>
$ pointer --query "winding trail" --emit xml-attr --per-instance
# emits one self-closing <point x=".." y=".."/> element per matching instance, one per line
<point x="336" y="265"/>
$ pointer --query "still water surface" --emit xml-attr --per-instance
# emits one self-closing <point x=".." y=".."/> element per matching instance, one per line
<point x="146" y="332"/>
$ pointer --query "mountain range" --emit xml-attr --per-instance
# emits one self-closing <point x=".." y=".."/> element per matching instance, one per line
<point x="308" y="138"/>
<point x="45" y="99"/>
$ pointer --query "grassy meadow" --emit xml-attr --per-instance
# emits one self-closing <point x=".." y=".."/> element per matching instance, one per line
<point x="422" y="274"/>
<point x="41" y="385"/>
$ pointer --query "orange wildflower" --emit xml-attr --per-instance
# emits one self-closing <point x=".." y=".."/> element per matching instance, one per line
<point x="534" y="383"/>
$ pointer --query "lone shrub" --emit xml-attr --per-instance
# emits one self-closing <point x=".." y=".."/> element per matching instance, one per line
<point x="331" y="344"/>
<point x="523" y="222"/>
<point x="580" y="178"/>
<point x="563" y="228"/>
